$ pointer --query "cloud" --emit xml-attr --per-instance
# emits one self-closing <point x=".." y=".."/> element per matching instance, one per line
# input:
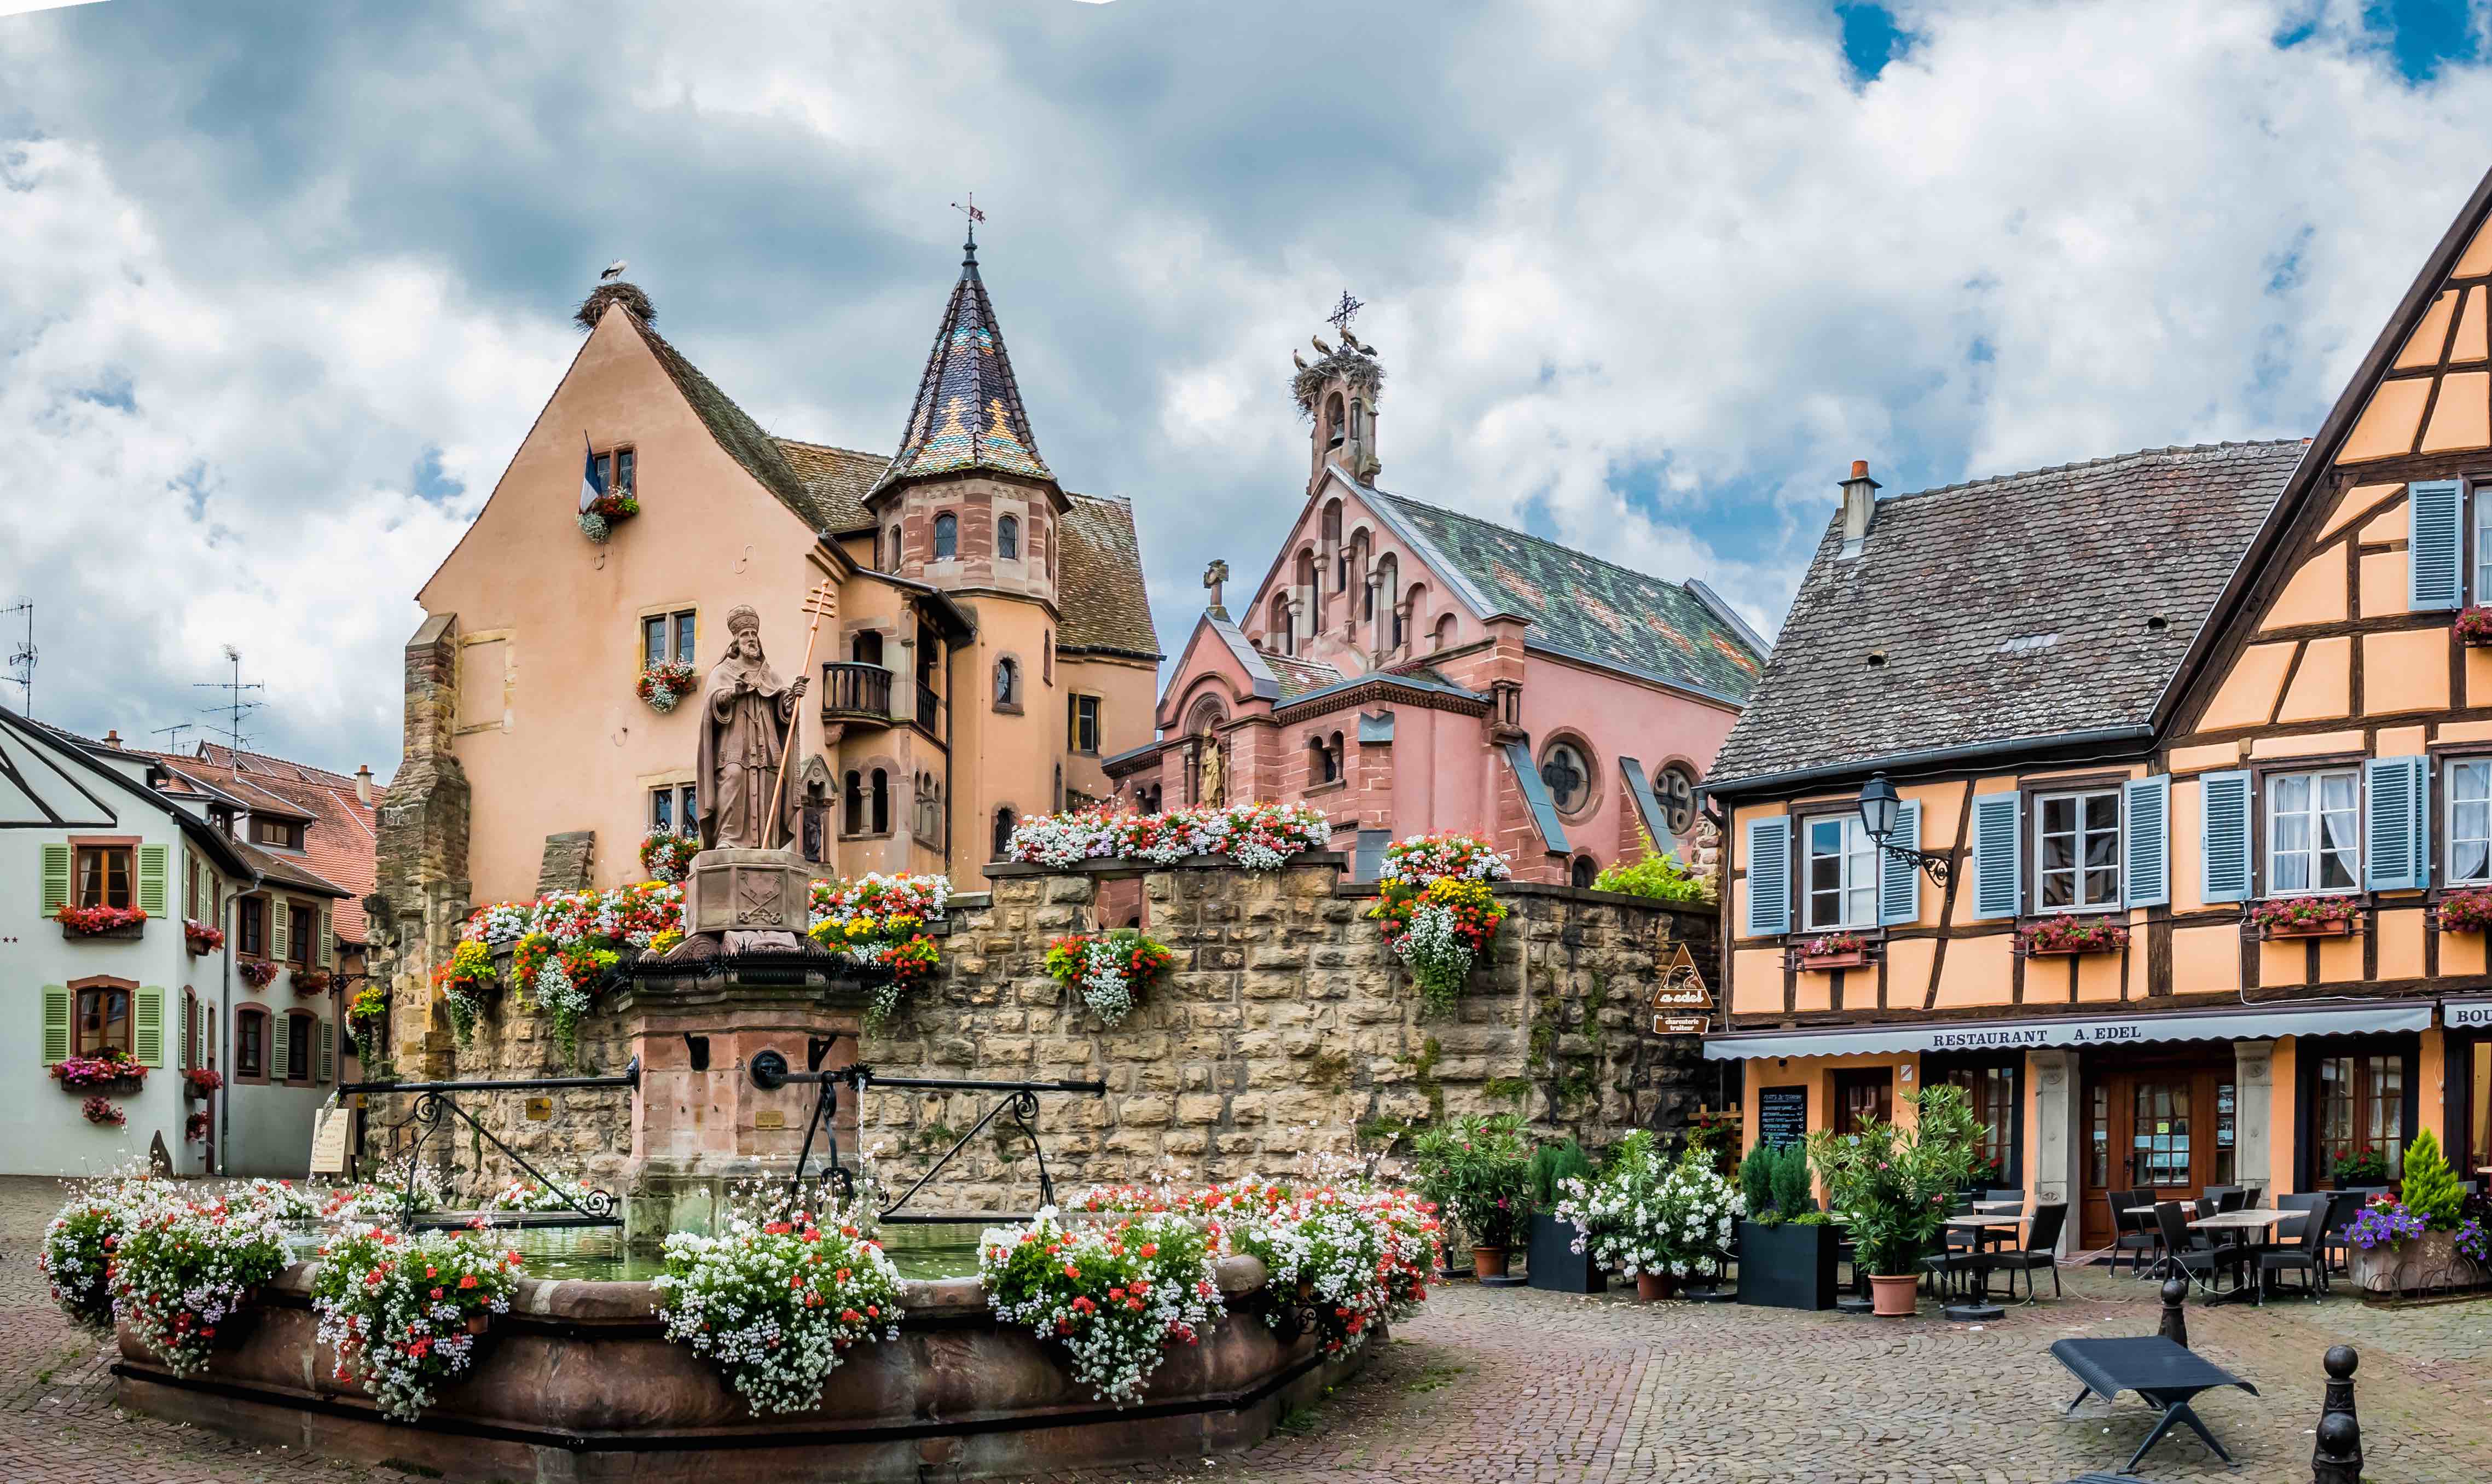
<point x="284" y="287"/>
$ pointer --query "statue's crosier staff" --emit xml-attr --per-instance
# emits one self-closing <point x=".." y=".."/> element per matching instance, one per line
<point x="821" y="604"/>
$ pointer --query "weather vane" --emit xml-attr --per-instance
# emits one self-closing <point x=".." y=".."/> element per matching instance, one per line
<point x="969" y="209"/>
<point x="1344" y="312"/>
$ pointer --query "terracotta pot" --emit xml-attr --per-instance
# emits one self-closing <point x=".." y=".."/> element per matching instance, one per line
<point x="476" y="1323"/>
<point x="1488" y="1261"/>
<point x="1894" y="1298"/>
<point x="1652" y="1288"/>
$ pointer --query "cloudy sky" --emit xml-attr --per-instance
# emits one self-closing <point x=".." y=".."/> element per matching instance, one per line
<point x="283" y="286"/>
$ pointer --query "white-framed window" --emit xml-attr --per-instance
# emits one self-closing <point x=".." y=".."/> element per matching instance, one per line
<point x="2467" y="784"/>
<point x="1839" y="874"/>
<point x="665" y="636"/>
<point x="2076" y="851"/>
<point x="2314" y="824"/>
<point x="2481" y="591"/>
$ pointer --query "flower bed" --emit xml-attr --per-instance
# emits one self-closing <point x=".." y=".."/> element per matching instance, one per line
<point x="1110" y="970"/>
<point x="403" y="1313"/>
<point x="878" y="920"/>
<point x="1259" y="837"/>
<point x="664" y="684"/>
<point x="183" y="1269"/>
<point x="203" y="938"/>
<point x="563" y="948"/>
<point x="1436" y="912"/>
<point x="2466" y="910"/>
<point x="777" y="1303"/>
<point x="2304" y="916"/>
<point x="100" y="921"/>
<point x="667" y="855"/>
<point x="2065" y="933"/>
<point x="256" y="972"/>
<point x="1115" y="1297"/>
<point x="111" y="1070"/>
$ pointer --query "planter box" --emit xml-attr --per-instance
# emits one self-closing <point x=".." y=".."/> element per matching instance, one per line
<point x="123" y="933"/>
<point x="118" y="1088"/>
<point x="1555" y="1264"/>
<point x="1857" y="958"/>
<point x="2429" y="1263"/>
<point x="1788" y="1266"/>
<point x="2066" y="951"/>
<point x="2340" y="928"/>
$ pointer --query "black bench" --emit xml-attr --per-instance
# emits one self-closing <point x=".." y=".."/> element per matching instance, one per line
<point x="2165" y="1375"/>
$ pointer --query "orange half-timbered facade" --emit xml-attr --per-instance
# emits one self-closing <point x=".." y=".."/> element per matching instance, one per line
<point x="2200" y="741"/>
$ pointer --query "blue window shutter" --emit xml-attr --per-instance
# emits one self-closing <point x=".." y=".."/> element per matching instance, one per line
<point x="1767" y="859"/>
<point x="2436" y="546"/>
<point x="2146" y="839"/>
<point x="2396" y="854"/>
<point x="2224" y="864"/>
<point x="1899" y="878"/>
<point x="1998" y="860"/>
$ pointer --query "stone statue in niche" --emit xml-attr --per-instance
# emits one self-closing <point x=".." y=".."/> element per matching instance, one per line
<point x="1212" y="780"/>
<point x="747" y="715"/>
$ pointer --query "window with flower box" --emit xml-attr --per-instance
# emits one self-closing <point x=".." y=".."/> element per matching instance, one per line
<point x="103" y="875"/>
<point x="2467" y="783"/>
<point x="674" y="808"/>
<point x="101" y="1019"/>
<point x="669" y="637"/>
<point x="2076" y="851"/>
<point x="1839" y="874"/>
<point x="2314" y="832"/>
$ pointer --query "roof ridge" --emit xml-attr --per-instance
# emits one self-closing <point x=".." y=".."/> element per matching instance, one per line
<point x="2167" y="450"/>
<point x="829" y="448"/>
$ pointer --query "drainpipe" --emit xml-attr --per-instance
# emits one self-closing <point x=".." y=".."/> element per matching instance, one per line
<point x="220" y="1122"/>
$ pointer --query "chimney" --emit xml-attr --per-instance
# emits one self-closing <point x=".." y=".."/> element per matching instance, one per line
<point x="1859" y="506"/>
<point x="363" y="784"/>
<point x="112" y="737"/>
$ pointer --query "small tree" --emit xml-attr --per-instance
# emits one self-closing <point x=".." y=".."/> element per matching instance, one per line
<point x="1481" y="1171"/>
<point x="1756" y="1182"/>
<point x="2432" y="1190"/>
<point x="1894" y="1185"/>
<point x="1792" y="1191"/>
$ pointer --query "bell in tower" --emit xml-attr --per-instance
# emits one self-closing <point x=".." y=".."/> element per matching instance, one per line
<point x="1337" y="393"/>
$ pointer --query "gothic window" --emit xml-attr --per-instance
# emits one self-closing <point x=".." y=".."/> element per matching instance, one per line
<point x="1008" y="539"/>
<point x="1331" y="530"/>
<point x="1007" y="683"/>
<point x="947" y="538"/>
<point x="1283" y="640"/>
<point x="882" y="802"/>
<point x="1005" y="820"/>
<point x="1334" y="421"/>
<point x="1569" y="778"/>
<point x="1446" y="631"/>
<point x="852" y="816"/>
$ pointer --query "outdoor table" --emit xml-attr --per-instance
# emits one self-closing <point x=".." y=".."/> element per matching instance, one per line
<point x="1999" y="1205"/>
<point x="1984" y="1228"/>
<point x="2162" y="1373"/>
<point x="2255" y="1219"/>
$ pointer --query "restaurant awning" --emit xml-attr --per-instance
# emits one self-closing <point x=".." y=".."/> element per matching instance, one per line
<point x="2465" y="1014"/>
<point x="2023" y="1034"/>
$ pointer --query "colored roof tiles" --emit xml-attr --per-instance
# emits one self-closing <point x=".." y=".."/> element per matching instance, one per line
<point x="968" y="412"/>
<point x="1298" y="677"/>
<point x="1930" y="639"/>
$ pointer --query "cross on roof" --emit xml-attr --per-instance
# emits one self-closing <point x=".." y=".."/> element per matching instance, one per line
<point x="1344" y="312"/>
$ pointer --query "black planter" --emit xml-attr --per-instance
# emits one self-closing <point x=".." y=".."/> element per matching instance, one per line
<point x="1788" y="1266"/>
<point x="1554" y="1263"/>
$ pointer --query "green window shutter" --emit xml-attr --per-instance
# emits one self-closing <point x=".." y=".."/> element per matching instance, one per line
<point x="189" y="1032"/>
<point x="326" y="950"/>
<point x="280" y="1031"/>
<point x="328" y="1068"/>
<point x="2224" y="864"/>
<point x="56" y="878"/>
<point x="2436" y="546"/>
<point x="2396" y="853"/>
<point x="1899" y="876"/>
<point x="2145" y="841"/>
<point x="147" y="1027"/>
<point x="153" y="864"/>
<point x="56" y="1023"/>
<point x="281" y="915"/>
<point x="1768" y="862"/>
<point x="1998" y="857"/>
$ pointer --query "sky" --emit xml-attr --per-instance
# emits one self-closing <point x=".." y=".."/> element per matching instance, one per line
<point x="281" y="287"/>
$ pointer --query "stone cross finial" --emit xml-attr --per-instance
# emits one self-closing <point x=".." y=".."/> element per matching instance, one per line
<point x="1213" y="576"/>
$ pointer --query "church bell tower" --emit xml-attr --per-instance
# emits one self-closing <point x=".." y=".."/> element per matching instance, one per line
<point x="1338" y="393"/>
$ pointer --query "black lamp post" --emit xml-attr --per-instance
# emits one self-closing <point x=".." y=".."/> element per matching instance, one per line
<point x="1880" y="803"/>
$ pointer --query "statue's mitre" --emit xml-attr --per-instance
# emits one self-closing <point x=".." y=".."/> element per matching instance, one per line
<point x="741" y="619"/>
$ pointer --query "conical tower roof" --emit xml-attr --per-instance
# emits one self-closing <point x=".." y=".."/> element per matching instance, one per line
<point x="968" y="413"/>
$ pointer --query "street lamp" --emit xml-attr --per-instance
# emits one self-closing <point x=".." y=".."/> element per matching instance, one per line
<point x="1880" y="803"/>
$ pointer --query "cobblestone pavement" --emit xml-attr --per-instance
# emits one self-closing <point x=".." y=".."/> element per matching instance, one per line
<point x="1512" y="1384"/>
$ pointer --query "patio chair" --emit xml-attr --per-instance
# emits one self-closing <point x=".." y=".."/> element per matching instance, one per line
<point x="2300" y="1252"/>
<point x="2132" y="1235"/>
<point x="2235" y="1199"/>
<point x="2343" y="1206"/>
<point x="2190" y="1252"/>
<point x="2016" y="1196"/>
<point x="2040" y="1250"/>
<point x="2218" y="1191"/>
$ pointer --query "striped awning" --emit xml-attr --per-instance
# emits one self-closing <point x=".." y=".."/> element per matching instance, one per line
<point x="2025" y="1034"/>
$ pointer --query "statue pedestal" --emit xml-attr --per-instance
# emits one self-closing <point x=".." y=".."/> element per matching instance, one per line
<point x="751" y="899"/>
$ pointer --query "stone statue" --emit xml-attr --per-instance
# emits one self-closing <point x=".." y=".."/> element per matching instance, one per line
<point x="747" y="718"/>
<point x="1210" y="773"/>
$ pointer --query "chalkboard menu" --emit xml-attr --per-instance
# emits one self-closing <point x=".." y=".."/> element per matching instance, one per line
<point x="1782" y="1115"/>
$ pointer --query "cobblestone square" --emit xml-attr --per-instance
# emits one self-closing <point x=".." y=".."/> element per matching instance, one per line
<point x="1513" y="1385"/>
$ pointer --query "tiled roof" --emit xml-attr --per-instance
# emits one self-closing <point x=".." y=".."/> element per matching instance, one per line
<point x="736" y="432"/>
<point x="968" y="413"/>
<point x="1300" y="676"/>
<point x="1586" y="607"/>
<point x="1100" y="591"/>
<point x="835" y="481"/>
<point x="281" y="868"/>
<point x="2006" y="609"/>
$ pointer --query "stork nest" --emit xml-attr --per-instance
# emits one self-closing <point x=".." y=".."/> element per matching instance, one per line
<point x="1361" y="371"/>
<point x="626" y="294"/>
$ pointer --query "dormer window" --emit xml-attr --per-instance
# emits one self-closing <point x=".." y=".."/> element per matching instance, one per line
<point x="281" y="834"/>
<point x="1008" y="539"/>
<point x="947" y="538"/>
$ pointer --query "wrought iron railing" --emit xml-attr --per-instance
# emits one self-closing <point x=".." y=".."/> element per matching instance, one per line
<point x="852" y="691"/>
<point x="436" y="1103"/>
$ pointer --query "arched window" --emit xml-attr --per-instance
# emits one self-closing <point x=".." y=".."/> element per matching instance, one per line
<point x="1568" y="774"/>
<point x="1281" y="639"/>
<point x="947" y="538"/>
<point x="895" y="551"/>
<point x="882" y="802"/>
<point x="1007" y="682"/>
<point x="852" y="812"/>
<point x="1311" y="581"/>
<point x="1359" y="574"/>
<point x="1585" y="870"/>
<point x="1446" y="631"/>
<point x="1008" y="538"/>
<point x="1413" y="612"/>
<point x="1334" y="421"/>
<point x="1358" y="421"/>
<point x="102" y="1019"/>
<point x="1320" y="766"/>
<point x="1005" y="820"/>
<point x="815" y="822"/>
<point x="1387" y="583"/>
<point x="867" y="647"/>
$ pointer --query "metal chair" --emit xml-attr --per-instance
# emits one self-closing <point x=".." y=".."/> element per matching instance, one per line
<point x="2235" y="1199"/>
<point x="2040" y="1250"/>
<point x="2131" y="1234"/>
<point x="2183" y="1250"/>
<point x="2302" y="1251"/>
<point x="2343" y="1206"/>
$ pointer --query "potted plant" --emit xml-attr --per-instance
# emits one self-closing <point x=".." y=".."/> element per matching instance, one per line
<point x="2067" y="933"/>
<point x="2361" y="1165"/>
<point x="100" y="921"/>
<point x="1557" y="1259"/>
<point x="1655" y="1220"/>
<point x="667" y="855"/>
<point x="1832" y="950"/>
<point x="1788" y="1248"/>
<point x="2431" y="1238"/>
<point x="598" y="520"/>
<point x="2466" y="910"/>
<point x="256" y="972"/>
<point x="666" y="683"/>
<point x="367" y="1012"/>
<point x="1894" y="1187"/>
<point x="110" y="1070"/>
<point x="2303" y="916"/>
<point x="203" y="938"/>
<point x="1479" y="1171"/>
<point x="2474" y="626"/>
<point x="308" y="980"/>
<point x="199" y="1084"/>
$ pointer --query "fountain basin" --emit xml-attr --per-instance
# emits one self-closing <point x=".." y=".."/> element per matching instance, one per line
<point x="577" y="1383"/>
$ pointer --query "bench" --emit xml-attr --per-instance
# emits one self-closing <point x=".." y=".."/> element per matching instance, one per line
<point x="2163" y="1374"/>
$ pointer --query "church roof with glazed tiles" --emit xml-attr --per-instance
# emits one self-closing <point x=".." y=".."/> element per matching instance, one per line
<point x="968" y="413"/>
<point x="1300" y="676"/>
<point x="1580" y="605"/>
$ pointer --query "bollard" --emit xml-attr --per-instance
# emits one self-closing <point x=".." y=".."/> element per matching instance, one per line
<point x="2175" y="1312"/>
<point x="2336" y="1458"/>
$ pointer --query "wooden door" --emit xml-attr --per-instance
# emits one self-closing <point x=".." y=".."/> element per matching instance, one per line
<point x="2165" y="1129"/>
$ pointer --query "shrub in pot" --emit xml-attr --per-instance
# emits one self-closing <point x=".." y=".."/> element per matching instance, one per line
<point x="1479" y="1172"/>
<point x="1788" y="1248"/>
<point x="1894" y="1187"/>
<point x="1558" y="1260"/>
<point x="1656" y="1221"/>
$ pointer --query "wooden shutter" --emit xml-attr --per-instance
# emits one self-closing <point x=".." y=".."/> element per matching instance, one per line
<point x="1767" y="858"/>
<point x="1899" y="878"/>
<point x="280" y="1031"/>
<point x="2436" y="546"/>
<point x="2145" y="841"/>
<point x="1997" y="858"/>
<point x="189" y="1032"/>
<point x="327" y="1070"/>
<point x="56" y="878"/>
<point x="154" y="861"/>
<point x="2224" y="864"/>
<point x="56" y="1023"/>
<point x="147" y="1025"/>
<point x="2397" y="830"/>
<point x="280" y="923"/>
<point x="325" y="948"/>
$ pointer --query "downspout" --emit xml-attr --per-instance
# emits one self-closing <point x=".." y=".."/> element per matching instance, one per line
<point x="951" y="757"/>
<point x="229" y="920"/>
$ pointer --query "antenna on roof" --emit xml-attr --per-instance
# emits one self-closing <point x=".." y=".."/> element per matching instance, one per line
<point x="234" y="707"/>
<point x="175" y="733"/>
<point x="21" y="660"/>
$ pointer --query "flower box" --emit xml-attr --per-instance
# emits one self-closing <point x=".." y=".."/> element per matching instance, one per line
<point x="1831" y="951"/>
<point x="112" y="1073"/>
<point x="2066" y="934"/>
<point x="122" y="922"/>
<point x="1789" y="1264"/>
<point x="2474" y="626"/>
<point x="1554" y="1262"/>
<point x="2464" y="909"/>
<point x="256" y="972"/>
<point x="204" y="939"/>
<point x="666" y="683"/>
<point x="311" y="981"/>
<point x="2287" y="917"/>
<point x="2428" y="1264"/>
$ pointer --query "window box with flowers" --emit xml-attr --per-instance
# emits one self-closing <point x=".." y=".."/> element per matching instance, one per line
<point x="2474" y="626"/>
<point x="203" y="938"/>
<point x="103" y="1113"/>
<point x="2306" y="917"/>
<point x="110" y="1070"/>
<point x="258" y="973"/>
<point x="667" y="682"/>
<point x="124" y="922"/>
<point x="199" y="1083"/>
<point x="1831" y="951"/>
<point x="667" y="855"/>
<point x="597" y="522"/>
<point x="309" y="981"/>
<point x="2067" y="933"/>
<point x="2464" y="909"/>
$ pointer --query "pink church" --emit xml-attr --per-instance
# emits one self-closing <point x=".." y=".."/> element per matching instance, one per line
<point x="1407" y="670"/>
